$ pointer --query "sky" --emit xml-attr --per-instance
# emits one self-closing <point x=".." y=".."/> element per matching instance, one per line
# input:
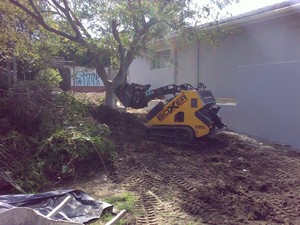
<point x="249" y="5"/>
<point x="246" y="5"/>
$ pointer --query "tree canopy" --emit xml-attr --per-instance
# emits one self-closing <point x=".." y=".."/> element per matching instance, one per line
<point x="116" y="28"/>
<point x="22" y="39"/>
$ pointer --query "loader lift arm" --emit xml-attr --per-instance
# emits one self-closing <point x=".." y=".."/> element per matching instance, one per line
<point x="137" y="96"/>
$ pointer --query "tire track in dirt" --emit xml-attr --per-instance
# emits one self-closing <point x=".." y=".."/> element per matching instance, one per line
<point x="227" y="179"/>
<point x="148" y="203"/>
<point x="150" y="180"/>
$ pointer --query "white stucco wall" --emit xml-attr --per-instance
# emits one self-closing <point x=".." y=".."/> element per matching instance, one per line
<point x="187" y="65"/>
<point x="262" y="42"/>
<point x="268" y="102"/>
<point x="231" y="71"/>
<point x="267" y="40"/>
<point x="184" y="71"/>
<point x="140" y="72"/>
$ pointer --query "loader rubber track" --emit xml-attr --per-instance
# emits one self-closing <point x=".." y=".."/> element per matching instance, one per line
<point x="171" y="134"/>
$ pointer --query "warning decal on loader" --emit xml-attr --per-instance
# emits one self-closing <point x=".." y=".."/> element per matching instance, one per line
<point x="179" y="101"/>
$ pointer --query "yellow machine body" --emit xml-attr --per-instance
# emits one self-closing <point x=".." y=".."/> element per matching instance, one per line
<point x="181" y="111"/>
<point x="189" y="114"/>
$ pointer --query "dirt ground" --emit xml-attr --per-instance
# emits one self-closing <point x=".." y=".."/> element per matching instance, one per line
<point x="229" y="178"/>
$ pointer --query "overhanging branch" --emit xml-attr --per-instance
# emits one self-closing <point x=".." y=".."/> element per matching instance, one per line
<point x="36" y="15"/>
<point x="122" y="71"/>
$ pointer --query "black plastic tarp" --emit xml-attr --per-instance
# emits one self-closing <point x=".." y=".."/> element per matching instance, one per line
<point x="81" y="208"/>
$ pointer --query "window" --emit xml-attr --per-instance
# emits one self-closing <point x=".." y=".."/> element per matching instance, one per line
<point x="194" y="103"/>
<point x="179" y="117"/>
<point x="161" y="59"/>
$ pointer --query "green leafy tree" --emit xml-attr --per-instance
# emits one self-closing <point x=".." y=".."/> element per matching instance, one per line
<point x="120" y="29"/>
<point x="24" y="42"/>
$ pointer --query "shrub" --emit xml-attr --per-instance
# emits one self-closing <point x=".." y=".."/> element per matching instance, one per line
<point x="34" y="162"/>
<point x="47" y="135"/>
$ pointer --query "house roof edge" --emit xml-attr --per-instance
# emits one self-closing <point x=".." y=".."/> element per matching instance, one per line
<point x="252" y="16"/>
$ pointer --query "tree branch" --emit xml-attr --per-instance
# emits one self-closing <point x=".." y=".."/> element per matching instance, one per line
<point x="56" y="4"/>
<point x="35" y="9"/>
<point x="57" y="10"/>
<point x="122" y="71"/>
<point x="66" y="11"/>
<point x="140" y="35"/>
<point x="79" y="24"/>
<point x="52" y="12"/>
<point x="102" y="73"/>
<point x="114" y="26"/>
<point x="143" y="17"/>
<point x="133" y="14"/>
<point x="40" y="20"/>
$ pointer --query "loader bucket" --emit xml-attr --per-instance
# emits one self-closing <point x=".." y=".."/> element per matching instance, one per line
<point x="132" y="95"/>
<point x="216" y="118"/>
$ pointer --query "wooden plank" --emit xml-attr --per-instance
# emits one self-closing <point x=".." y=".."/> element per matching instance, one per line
<point x="59" y="207"/>
<point x="117" y="217"/>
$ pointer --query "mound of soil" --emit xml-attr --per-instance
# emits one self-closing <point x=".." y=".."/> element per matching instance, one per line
<point x="124" y="126"/>
<point x="228" y="178"/>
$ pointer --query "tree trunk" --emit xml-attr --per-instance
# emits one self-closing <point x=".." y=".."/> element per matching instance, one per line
<point x="110" y="97"/>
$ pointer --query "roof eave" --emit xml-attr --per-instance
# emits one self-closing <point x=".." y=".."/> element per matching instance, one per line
<point x="257" y="17"/>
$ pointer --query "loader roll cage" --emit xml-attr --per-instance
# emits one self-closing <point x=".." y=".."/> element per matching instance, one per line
<point x="137" y="96"/>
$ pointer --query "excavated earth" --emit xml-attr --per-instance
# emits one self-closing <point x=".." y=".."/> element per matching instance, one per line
<point x="229" y="178"/>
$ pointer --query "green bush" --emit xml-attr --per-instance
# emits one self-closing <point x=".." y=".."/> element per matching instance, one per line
<point x="68" y="148"/>
<point x="48" y="78"/>
<point x="34" y="162"/>
<point x="16" y="153"/>
<point x="25" y="106"/>
<point x="47" y="135"/>
<point x="65" y="84"/>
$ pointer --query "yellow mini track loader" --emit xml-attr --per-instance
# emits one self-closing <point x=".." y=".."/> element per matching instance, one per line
<point x="189" y="114"/>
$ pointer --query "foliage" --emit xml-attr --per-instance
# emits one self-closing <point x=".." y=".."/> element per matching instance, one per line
<point x="68" y="147"/>
<point x="114" y="31"/>
<point x="34" y="162"/>
<point x="22" y="39"/>
<point x="47" y="135"/>
<point x="15" y="154"/>
<point x="28" y="105"/>
<point x="65" y="73"/>
<point x="21" y="36"/>
<point x="48" y="78"/>
<point x="14" y="29"/>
